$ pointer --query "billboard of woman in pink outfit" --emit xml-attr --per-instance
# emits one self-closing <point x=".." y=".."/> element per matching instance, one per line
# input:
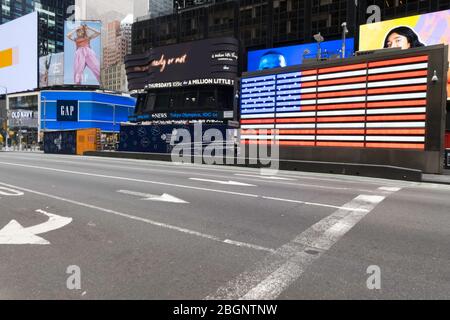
<point x="82" y="53"/>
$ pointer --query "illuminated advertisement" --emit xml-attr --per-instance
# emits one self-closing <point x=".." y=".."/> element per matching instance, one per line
<point x="19" y="54"/>
<point x="294" y="55"/>
<point x="204" y="62"/>
<point x="405" y="33"/>
<point x="82" y="52"/>
<point x="51" y="70"/>
<point x="340" y="106"/>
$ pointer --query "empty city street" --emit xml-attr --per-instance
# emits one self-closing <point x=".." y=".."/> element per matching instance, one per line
<point x="133" y="229"/>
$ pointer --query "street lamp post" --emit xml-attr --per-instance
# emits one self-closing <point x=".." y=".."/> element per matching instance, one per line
<point x="7" y="133"/>
<point x="344" y="38"/>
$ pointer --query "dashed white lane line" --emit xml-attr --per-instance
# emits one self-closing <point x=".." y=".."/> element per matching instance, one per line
<point x="264" y="177"/>
<point x="152" y="222"/>
<point x="325" y="205"/>
<point x="314" y="204"/>
<point x="269" y="278"/>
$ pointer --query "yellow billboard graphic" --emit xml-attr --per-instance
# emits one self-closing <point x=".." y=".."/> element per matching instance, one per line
<point x="375" y="36"/>
<point x="410" y="32"/>
<point x="6" y="58"/>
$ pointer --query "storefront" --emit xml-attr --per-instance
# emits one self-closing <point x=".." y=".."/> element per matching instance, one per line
<point x="23" y="119"/>
<point x="187" y="82"/>
<point x="30" y="114"/>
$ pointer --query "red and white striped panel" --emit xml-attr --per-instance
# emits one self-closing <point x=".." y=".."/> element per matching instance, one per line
<point x="341" y="106"/>
<point x="378" y="104"/>
<point x="396" y="103"/>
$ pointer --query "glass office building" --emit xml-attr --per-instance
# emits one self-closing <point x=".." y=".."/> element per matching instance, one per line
<point x="52" y="14"/>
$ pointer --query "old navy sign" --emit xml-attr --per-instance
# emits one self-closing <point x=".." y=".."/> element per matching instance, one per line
<point x="67" y="110"/>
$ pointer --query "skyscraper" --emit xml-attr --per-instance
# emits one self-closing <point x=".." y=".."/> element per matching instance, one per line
<point x="52" y="14"/>
<point x="117" y="44"/>
<point x="152" y="8"/>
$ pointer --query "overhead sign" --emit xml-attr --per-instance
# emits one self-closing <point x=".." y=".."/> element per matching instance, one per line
<point x="295" y="55"/>
<point x="204" y="62"/>
<point x="410" y="32"/>
<point x="19" y="54"/>
<point x="67" y="110"/>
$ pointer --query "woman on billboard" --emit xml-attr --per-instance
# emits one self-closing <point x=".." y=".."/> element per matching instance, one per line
<point x="402" y="37"/>
<point x="84" y="55"/>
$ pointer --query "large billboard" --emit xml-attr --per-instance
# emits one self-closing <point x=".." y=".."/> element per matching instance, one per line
<point x="51" y="70"/>
<point x="19" y="54"/>
<point x="380" y="108"/>
<point x="82" y="53"/>
<point x="409" y="32"/>
<point x="294" y="55"/>
<point x="211" y="61"/>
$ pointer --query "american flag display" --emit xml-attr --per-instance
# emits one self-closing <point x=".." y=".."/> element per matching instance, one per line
<point x="378" y="104"/>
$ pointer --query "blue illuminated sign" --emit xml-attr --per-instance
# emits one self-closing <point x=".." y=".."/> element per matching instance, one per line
<point x="294" y="55"/>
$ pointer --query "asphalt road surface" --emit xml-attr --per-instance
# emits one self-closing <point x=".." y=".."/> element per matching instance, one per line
<point x="101" y="228"/>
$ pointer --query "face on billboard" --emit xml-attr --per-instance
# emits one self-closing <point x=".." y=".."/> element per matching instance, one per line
<point x="18" y="54"/>
<point x="82" y="52"/>
<point x="51" y="70"/>
<point x="405" y="33"/>
<point x="294" y="55"/>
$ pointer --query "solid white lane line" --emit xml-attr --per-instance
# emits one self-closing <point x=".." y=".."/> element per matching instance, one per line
<point x="169" y="184"/>
<point x="130" y="179"/>
<point x="270" y="277"/>
<point x="140" y="219"/>
<point x="256" y="178"/>
<point x="225" y="169"/>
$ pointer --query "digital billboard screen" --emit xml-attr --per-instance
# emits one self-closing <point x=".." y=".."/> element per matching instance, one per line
<point x="339" y="106"/>
<point x="82" y="53"/>
<point x="294" y="55"/>
<point x="51" y="70"/>
<point x="204" y="62"/>
<point x="19" y="54"/>
<point x="410" y="32"/>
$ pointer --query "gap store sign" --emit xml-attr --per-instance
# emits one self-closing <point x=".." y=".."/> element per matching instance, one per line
<point x="295" y="55"/>
<point x="67" y="110"/>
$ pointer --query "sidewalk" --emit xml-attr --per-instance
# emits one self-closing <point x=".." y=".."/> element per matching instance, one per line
<point x="437" y="178"/>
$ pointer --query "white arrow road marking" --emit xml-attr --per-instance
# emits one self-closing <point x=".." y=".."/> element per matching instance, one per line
<point x="10" y="192"/>
<point x="15" y="233"/>
<point x="230" y="183"/>
<point x="264" y="177"/>
<point x="150" y="197"/>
